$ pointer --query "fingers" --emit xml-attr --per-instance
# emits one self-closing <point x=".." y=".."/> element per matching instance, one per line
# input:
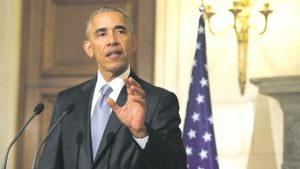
<point x="135" y="94"/>
<point x="116" y="108"/>
<point x="138" y="99"/>
<point x="133" y="88"/>
<point x="131" y="81"/>
<point x="137" y="91"/>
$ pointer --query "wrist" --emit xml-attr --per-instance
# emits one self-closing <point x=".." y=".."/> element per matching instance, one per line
<point x="141" y="133"/>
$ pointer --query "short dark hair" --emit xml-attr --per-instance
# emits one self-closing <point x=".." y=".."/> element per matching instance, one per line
<point x="108" y="8"/>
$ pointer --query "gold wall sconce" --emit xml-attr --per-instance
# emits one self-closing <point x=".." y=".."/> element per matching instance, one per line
<point x="241" y="14"/>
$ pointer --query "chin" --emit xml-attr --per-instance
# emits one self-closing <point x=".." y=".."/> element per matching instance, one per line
<point x="118" y="69"/>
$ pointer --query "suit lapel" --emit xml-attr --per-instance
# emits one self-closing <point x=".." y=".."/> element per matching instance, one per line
<point x="113" y="125"/>
<point x="85" y="107"/>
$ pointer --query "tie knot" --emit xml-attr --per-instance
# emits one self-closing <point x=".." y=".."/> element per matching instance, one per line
<point x="106" y="90"/>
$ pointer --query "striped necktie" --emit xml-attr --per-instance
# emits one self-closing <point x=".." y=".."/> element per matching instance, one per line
<point x="99" y="118"/>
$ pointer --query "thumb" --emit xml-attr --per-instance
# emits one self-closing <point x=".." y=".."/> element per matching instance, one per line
<point x="113" y="105"/>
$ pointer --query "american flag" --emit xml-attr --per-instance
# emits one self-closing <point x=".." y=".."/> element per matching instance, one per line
<point x="198" y="133"/>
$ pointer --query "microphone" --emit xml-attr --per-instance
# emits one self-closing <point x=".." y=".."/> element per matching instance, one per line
<point x="67" y="110"/>
<point x="37" y="110"/>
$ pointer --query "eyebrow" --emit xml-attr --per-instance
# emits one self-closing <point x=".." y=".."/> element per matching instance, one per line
<point x="120" y="27"/>
<point x="105" y="29"/>
<point x="100" y="30"/>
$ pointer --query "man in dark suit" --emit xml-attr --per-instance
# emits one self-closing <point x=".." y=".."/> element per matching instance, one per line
<point x="142" y="131"/>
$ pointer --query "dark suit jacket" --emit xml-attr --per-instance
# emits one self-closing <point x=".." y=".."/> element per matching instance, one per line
<point x="69" y="146"/>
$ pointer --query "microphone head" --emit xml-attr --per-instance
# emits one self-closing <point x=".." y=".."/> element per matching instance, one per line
<point x="70" y="108"/>
<point x="39" y="108"/>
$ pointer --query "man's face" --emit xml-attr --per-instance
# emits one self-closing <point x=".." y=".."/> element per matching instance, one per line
<point x="111" y="42"/>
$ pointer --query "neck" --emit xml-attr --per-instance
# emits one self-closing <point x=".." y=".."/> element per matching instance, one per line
<point x="109" y="76"/>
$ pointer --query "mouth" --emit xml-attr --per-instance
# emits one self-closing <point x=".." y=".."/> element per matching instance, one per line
<point x="114" y="53"/>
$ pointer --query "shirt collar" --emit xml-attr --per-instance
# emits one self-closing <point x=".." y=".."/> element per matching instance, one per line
<point x="116" y="84"/>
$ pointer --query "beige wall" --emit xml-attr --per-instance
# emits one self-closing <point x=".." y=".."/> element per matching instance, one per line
<point x="248" y="128"/>
<point x="10" y="17"/>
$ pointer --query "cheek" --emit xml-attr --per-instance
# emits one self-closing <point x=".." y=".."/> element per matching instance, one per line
<point x="128" y="45"/>
<point x="98" y="48"/>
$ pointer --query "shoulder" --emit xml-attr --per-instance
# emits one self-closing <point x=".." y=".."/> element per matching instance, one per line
<point x="152" y="89"/>
<point x="154" y="92"/>
<point x="85" y="86"/>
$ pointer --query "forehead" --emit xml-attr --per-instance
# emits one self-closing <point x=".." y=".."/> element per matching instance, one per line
<point x="108" y="19"/>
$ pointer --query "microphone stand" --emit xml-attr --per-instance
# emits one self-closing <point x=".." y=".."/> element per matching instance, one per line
<point x="68" y="110"/>
<point x="37" y="110"/>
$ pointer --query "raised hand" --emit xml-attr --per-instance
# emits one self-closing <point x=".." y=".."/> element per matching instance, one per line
<point x="132" y="114"/>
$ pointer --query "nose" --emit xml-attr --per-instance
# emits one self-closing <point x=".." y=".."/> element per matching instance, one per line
<point x="112" y="40"/>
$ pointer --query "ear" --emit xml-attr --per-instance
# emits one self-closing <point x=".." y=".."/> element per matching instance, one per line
<point x="134" y="42"/>
<point x="88" y="48"/>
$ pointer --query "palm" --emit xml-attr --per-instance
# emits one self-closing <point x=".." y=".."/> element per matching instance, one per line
<point x="132" y="114"/>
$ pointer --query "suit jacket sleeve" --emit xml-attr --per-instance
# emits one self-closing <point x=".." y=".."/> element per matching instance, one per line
<point x="164" y="149"/>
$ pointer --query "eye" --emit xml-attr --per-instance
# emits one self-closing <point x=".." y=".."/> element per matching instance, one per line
<point x="121" y="31"/>
<point x="100" y="34"/>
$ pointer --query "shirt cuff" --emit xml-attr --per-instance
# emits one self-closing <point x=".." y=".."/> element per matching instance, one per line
<point x="142" y="141"/>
